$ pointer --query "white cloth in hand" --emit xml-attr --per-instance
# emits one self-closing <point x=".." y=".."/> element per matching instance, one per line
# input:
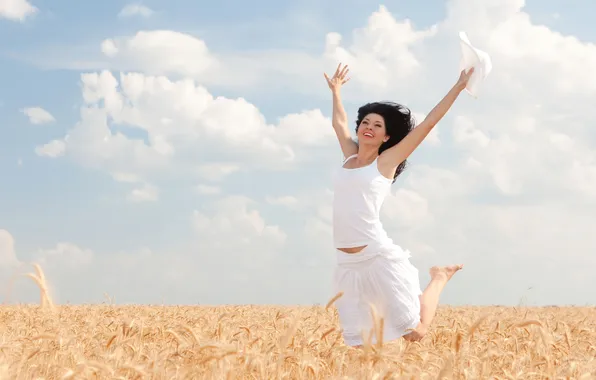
<point x="473" y="57"/>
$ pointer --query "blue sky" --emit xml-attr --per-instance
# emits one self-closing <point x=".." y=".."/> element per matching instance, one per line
<point x="74" y="198"/>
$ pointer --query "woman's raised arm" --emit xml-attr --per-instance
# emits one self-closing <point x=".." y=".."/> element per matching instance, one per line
<point x="340" y="118"/>
<point x="402" y="150"/>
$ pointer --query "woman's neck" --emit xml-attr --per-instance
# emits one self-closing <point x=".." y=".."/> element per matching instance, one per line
<point x="367" y="154"/>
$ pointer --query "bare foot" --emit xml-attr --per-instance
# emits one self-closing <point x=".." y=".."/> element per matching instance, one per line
<point x="417" y="334"/>
<point x="445" y="272"/>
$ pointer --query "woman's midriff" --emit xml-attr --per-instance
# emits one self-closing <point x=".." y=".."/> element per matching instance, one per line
<point x="353" y="249"/>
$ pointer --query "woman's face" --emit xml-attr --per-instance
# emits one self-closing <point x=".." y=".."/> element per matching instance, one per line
<point x="372" y="130"/>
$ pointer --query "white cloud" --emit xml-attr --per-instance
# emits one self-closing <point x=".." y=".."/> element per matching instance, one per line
<point x="53" y="149"/>
<point x="179" y="54"/>
<point x="208" y="189"/>
<point x="381" y="52"/>
<point x="234" y="217"/>
<point x="317" y="214"/>
<point x="309" y="128"/>
<point x="67" y="256"/>
<point x="17" y="10"/>
<point x="216" y="171"/>
<point x="286" y="200"/>
<point x="434" y="137"/>
<point x="146" y="193"/>
<point x="561" y="141"/>
<point x="38" y="115"/>
<point x="505" y="181"/>
<point x="465" y="133"/>
<point x="517" y="159"/>
<point x="406" y="208"/>
<point x="135" y="10"/>
<point x="190" y="132"/>
<point x="233" y="257"/>
<point x="160" y="52"/>
<point x="125" y="177"/>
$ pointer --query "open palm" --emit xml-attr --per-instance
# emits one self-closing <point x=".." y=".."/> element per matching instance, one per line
<point x="339" y="78"/>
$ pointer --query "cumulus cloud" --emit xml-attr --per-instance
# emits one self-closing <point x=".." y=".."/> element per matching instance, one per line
<point x="189" y="131"/>
<point x="234" y="257"/>
<point x="510" y="164"/>
<point x="38" y="115"/>
<point x="52" y="149"/>
<point x="506" y="184"/>
<point x="160" y="52"/>
<point x="16" y="10"/>
<point x="236" y="224"/>
<point x="63" y="259"/>
<point x="69" y="256"/>
<point x="146" y="193"/>
<point x="136" y="10"/>
<point x="381" y="52"/>
<point x="185" y="55"/>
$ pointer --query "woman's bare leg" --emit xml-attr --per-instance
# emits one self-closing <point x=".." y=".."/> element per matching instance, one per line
<point x="429" y="300"/>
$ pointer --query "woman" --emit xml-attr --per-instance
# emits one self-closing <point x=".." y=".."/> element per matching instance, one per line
<point x="371" y="270"/>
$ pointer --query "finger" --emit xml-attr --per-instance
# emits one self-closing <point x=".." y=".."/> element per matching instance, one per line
<point x="346" y="81"/>
<point x="344" y="71"/>
<point x="337" y="70"/>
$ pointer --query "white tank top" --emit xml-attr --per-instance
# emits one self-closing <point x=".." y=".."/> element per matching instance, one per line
<point x="358" y="196"/>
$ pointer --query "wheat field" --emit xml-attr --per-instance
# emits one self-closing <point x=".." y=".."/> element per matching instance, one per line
<point x="48" y="341"/>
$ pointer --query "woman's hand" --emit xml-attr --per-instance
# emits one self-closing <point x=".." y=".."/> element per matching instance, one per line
<point x="338" y="79"/>
<point x="464" y="77"/>
<point x="339" y="119"/>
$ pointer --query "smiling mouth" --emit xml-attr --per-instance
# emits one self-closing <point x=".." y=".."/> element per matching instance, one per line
<point x="367" y="134"/>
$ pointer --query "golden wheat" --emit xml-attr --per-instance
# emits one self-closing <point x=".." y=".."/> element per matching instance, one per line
<point x="50" y="341"/>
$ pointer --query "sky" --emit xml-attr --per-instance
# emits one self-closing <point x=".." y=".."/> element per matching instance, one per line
<point x="181" y="152"/>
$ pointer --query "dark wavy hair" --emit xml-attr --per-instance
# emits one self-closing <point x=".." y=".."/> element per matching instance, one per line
<point x="398" y="123"/>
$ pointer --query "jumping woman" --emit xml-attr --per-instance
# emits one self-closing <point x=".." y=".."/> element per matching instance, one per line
<point x="371" y="269"/>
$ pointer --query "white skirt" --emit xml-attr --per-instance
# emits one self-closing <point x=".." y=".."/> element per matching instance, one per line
<point x="381" y="276"/>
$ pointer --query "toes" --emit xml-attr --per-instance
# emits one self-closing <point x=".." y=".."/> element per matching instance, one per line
<point x="455" y="268"/>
